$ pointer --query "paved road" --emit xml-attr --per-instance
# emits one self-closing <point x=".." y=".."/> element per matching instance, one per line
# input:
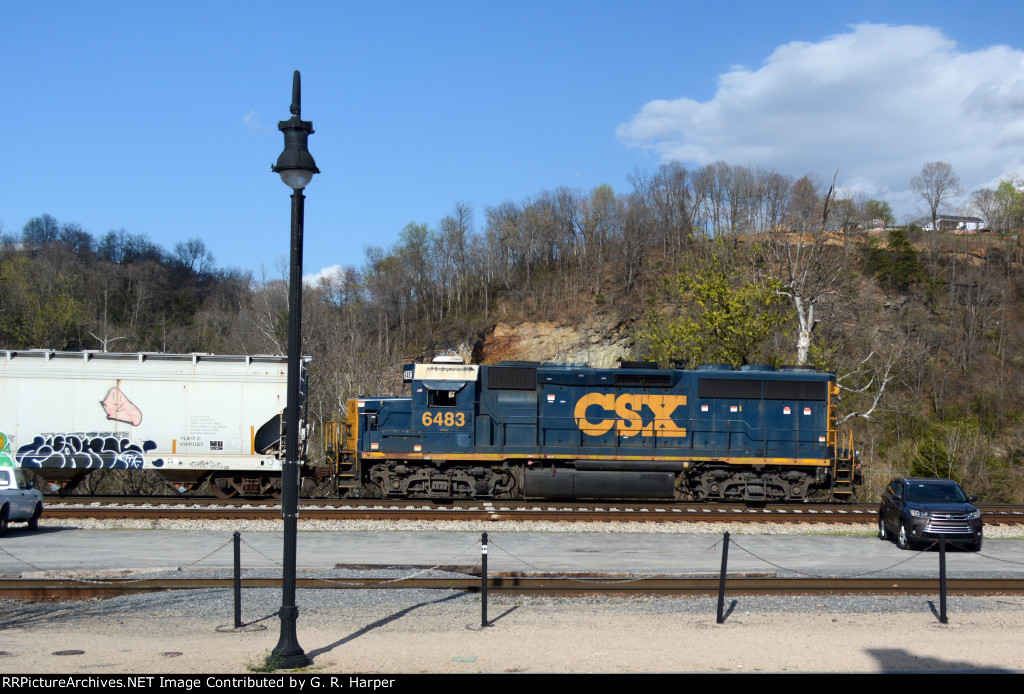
<point x="357" y="631"/>
<point x="54" y="548"/>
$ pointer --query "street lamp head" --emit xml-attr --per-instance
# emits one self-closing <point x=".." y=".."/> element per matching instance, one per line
<point x="296" y="165"/>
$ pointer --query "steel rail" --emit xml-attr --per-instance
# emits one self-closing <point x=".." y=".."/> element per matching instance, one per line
<point x="676" y="514"/>
<point x="1011" y="510"/>
<point x="491" y="515"/>
<point x="63" y="589"/>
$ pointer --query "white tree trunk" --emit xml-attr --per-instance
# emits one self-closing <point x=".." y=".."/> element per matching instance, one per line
<point x="805" y="318"/>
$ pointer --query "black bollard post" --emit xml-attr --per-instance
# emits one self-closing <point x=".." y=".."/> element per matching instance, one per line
<point x="238" y="579"/>
<point x="942" y="580"/>
<point x="721" y="579"/>
<point x="483" y="580"/>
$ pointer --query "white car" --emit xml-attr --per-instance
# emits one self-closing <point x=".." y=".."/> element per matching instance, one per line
<point x="18" y="500"/>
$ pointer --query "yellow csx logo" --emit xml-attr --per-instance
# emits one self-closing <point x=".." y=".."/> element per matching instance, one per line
<point x="625" y="413"/>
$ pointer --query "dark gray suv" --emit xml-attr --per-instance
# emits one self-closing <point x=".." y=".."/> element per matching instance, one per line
<point x="916" y="510"/>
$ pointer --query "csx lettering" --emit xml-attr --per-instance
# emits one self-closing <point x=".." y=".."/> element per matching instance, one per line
<point x="444" y="419"/>
<point x="625" y="413"/>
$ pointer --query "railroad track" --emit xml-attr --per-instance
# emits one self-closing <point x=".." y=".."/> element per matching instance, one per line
<point x="333" y="509"/>
<point x="56" y="589"/>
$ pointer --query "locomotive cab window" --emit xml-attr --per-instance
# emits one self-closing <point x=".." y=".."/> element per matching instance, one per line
<point x="443" y="393"/>
<point x="442" y="398"/>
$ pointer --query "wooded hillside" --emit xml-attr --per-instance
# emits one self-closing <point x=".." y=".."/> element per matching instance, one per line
<point x="723" y="263"/>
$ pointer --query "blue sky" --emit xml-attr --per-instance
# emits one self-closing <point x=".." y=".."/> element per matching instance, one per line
<point x="161" y="118"/>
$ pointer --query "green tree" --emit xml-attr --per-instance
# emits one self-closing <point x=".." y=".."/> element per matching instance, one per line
<point x="721" y="318"/>
<point x="879" y="210"/>
<point x="898" y="265"/>
<point x="1010" y="203"/>
<point x="39" y="309"/>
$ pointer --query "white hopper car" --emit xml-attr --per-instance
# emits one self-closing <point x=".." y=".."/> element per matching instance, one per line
<point x="190" y="417"/>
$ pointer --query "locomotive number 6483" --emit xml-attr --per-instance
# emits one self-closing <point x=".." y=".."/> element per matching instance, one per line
<point x="444" y="419"/>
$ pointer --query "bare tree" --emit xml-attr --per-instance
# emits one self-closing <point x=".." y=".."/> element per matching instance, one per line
<point x="450" y="253"/>
<point x="669" y="197"/>
<point x="864" y="384"/>
<point x="712" y="183"/>
<point x="983" y="202"/>
<point x="810" y="270"/>
<point x="638" y="235"/>
<point x="774" y="197"/>
<point x="40" y="230"/>
<point x="804" y="209"/>
<point x="194" y="256"/>
<point x="599" y="224"/>
<point x="936" y="185"/>
<point x="1001" y="208"/>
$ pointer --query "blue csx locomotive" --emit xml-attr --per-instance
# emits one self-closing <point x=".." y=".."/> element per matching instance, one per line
<point x="520" y="430"/>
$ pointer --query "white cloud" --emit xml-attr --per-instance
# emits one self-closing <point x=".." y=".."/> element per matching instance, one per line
<point x="252" y="119"/>
<point x="877" y="102"/>
<point x="332" y="272"/>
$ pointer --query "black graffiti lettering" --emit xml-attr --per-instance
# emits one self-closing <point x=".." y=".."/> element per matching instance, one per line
<point x="84" y="450"/>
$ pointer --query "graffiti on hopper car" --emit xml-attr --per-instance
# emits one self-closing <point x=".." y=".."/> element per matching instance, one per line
<point x="120" y="409"/>
<point x="86" y="450"/>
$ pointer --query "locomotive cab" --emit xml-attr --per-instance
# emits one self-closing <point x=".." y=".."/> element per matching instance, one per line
<point x="444" y="400"/>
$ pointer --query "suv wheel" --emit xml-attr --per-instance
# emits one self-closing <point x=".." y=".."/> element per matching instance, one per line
<point x="883" y="534"/>
<point x="4" y="521"/>
<point x="903" y="538"/>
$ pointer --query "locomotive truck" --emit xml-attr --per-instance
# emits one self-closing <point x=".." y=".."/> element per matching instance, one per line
<point x="519" y="430"/>
<point x="192" y="418"/>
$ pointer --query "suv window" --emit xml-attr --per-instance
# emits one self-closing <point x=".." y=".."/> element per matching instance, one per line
<point x="935" y="492"/>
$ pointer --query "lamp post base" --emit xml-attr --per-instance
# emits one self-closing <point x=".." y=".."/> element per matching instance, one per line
<point x="288" y="654"/>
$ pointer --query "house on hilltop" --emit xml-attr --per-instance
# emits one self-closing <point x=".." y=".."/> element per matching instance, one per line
<point x="953" y="223"/>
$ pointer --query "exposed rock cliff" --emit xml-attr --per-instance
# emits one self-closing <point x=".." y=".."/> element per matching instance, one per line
<point x="600" y="342"/>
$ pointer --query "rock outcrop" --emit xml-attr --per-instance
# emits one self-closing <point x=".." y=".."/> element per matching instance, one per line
<point x="599" y="342"/>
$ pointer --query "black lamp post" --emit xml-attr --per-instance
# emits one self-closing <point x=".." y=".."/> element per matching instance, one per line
<point x="296" y="168"/>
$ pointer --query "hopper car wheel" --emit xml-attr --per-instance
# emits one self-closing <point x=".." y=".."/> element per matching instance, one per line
<point x="220" y="492"/>
<point x="4" y="521"/>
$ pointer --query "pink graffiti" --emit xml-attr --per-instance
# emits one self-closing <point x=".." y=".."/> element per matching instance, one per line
<point x="119" y="408"/>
